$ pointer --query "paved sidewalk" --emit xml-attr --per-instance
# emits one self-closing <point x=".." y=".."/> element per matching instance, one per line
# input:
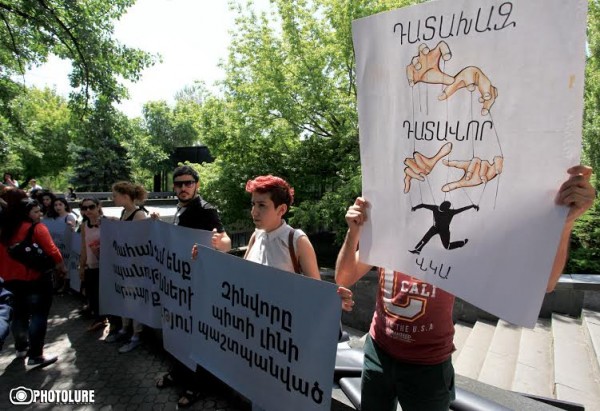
<point x="120" y="381"/>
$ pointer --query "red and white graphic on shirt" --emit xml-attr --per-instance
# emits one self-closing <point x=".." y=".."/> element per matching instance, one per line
<point x="404" y="299"/>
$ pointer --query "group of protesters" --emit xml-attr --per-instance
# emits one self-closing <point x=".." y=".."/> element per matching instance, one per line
<point x="418" y="372"/>
<point x="31" y="289"/>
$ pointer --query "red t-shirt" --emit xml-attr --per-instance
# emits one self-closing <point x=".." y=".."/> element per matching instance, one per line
<point x="413" y="319"/>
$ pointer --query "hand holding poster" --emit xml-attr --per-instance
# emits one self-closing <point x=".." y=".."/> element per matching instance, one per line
<point x="470" y="114"/>
<point x="269" y="334"/>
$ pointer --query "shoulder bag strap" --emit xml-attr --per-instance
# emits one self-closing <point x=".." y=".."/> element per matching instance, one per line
<point x="295" y="262"/>
<point x="30" y="232"/>
<point x="250" y="243"/>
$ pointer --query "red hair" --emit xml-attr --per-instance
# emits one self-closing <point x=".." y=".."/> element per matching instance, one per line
<point x="281" y="192"/>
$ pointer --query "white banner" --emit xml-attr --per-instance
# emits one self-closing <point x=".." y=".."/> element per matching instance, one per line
<point x="145" y="274"/>
<point x="269" y="334"/>
<point x="60" y="233"/>
<point x="178" y="306"/>
<point x="470" y="113"/>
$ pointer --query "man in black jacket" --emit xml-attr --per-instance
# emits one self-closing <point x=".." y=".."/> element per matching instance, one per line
<point x="193" y="212"/>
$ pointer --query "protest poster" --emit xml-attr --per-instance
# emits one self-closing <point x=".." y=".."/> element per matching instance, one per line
<point x="145" y="274"/>
<point x="60" y="233"/>
<point x="269" y="334"/>
<point x="470" y="113"/>
<point x="177" y="298"/>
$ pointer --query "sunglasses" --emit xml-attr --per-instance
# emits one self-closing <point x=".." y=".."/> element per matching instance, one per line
<point x="187" y="183"/>
<point x="90" y="207"/>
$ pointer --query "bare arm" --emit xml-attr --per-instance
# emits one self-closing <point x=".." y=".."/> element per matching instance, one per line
<point x="348" y="268"/>
<point x="578" y="194"/>
<point x="307" y="258"/>
<point x="140" y="216"/>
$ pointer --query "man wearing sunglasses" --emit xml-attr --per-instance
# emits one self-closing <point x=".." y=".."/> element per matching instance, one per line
<point x="193" y="212"/>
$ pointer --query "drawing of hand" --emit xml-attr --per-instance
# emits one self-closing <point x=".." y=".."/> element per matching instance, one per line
<point x="472" y="77"/>
<point x="426" y="66"/>
<point x="419" y="166"/>
<point x="477" y="171"/>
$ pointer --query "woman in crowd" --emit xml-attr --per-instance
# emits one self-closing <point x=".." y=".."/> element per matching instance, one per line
<point x="46" y="199"/>
<point x="89" y="268"/>
<point x="32" y="290"/>
<point x="59" y="219"/>
<point x="61" y="210"/>
<point x="129" y="196"/>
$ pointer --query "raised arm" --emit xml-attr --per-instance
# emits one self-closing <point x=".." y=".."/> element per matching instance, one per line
<point x="348" y="268"/>
<point x="427" y="206"/>
<point x="578" y="194"/>
<point x="460" y="210"/>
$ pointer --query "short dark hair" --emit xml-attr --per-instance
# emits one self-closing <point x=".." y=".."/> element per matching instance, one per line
<point x="185" y="171"/>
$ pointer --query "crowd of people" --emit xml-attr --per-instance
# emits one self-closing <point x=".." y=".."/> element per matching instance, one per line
<point x="417" y="373"/>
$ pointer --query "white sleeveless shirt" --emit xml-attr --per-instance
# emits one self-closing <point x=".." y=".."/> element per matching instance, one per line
<point x="272" y="249"/>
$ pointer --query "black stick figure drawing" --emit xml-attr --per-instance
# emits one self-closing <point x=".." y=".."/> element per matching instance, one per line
<point x="442" y="216"/>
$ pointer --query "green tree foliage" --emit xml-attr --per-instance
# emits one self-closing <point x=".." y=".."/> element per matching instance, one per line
<point x="38" y="146"/>
<point x="591" y="119"/>
<point x="99" y="157"/>
<point x="585" y="242"/>
<point x="288" y="107"/>
<point x="164" y="128"/>
<point x="79" y="31"/>
<point x="144" y="155"/>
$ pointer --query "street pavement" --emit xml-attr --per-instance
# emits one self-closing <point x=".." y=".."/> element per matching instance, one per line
<point x="86" y="362"/>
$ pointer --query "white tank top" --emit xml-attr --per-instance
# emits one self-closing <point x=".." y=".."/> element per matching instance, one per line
<point x="272" y="249"/>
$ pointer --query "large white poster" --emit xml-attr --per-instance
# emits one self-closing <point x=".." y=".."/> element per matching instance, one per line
<point x="269" y="334"/>
<point x="179" y="310"/>
<point x="470" y="113"/>
<point x="145" y="272"/>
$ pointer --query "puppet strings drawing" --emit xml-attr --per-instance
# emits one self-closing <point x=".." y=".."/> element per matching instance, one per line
<point x="475" y="170"/>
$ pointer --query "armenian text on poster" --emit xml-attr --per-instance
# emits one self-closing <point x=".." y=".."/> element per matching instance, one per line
<point x="470" y="113"/>
<point x="269" y="334"/>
